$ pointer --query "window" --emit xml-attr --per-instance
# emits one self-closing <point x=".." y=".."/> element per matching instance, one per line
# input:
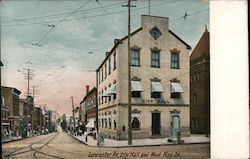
<point x="135" y="120"/>
<point x="114" y="60"/>
<point x="156" y="89"/>
<point x="135" y="123"/>
<point x="114" y="125"/>
<point x="136" y="94"/>
<point x="155" y="59"/>
<point x="105" y="71"/>
<point x="176" y="89"/>
<point x="175" y="60"/>
<point x="105" y="99"/>
<point x="106" y="123"/>
<point x="102" y="97"/>
<point x="155" y="32"/>
<point x="175" y="95"/>
<point x="194" y="98"/>
<point x="114" y="96"/>
<point x="135" y="57"/>
<point x="99" y="77"/>
<point x="99" y="100"/>
<point x="109" y="123"/>
<point x="109" y="65"/>
<point x="102" y="74"/>
<point x="102" y="123"/>
<point x="155" y="94"/>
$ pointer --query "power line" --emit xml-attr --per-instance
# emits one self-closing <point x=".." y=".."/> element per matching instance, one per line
<point x="59" y="14"/>
<point x="62" y="21"/>
<point x="98" y="15"/>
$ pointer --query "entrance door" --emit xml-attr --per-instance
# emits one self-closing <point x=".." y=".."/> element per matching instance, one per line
<point x="156" y="123"/>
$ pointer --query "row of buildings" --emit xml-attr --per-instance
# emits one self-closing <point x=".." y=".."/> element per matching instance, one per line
<point x="169" y="87"/>
<point x="20" y="117"/>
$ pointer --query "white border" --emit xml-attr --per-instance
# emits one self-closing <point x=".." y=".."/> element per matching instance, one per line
<point x="229" y="79"/>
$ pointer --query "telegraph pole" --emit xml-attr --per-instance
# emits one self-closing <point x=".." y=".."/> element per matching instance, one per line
<point x="73" y="111"/>
<point x="149" y="7"/>
<point x="29" y="75"/>
<point x="129" y="78"/>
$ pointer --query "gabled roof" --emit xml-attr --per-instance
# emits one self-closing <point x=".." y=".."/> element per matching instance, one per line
<point x="202" y="48"/>
<point x="131" y="34"/>
<point x="182" y="41"/>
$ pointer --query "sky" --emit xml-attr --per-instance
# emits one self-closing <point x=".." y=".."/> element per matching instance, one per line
<point x="64" y="42"/>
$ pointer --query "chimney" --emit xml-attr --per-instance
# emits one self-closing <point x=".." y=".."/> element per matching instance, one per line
<point x="87" y="89"/>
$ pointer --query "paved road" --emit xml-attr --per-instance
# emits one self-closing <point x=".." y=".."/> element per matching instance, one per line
<point x="61" y="145"/>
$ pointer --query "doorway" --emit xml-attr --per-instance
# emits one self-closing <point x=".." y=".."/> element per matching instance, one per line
<point x="156" y="123"/>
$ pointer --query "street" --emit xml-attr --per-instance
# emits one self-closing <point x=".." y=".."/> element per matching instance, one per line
<point x="61" y="145"/>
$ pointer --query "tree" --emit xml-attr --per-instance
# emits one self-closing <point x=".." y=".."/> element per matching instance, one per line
<point x="63" y="122"/>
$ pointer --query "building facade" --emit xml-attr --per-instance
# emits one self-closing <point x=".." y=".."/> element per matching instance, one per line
<point x="5" y="127"/>
<point x="11" y="100"/>
<point x="159" y="84"/>
<point x="200" y="86"/>
<point x="24" y="112"/>
<point x="90" y="107"/>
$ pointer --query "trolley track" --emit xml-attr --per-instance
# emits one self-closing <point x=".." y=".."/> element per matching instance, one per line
<point x="36" y="150"/>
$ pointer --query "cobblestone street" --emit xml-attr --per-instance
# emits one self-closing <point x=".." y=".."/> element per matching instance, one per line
<point x="62" y="145"/>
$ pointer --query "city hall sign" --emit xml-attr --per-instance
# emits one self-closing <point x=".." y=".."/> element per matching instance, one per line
<point x="156" y="101"/>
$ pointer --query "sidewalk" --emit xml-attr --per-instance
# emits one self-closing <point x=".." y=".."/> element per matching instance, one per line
<point x="13" y="138"/>
<point x="193" y="139"/>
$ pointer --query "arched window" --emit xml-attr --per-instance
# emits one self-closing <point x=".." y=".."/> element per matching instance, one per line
<point x="135" y="123"/>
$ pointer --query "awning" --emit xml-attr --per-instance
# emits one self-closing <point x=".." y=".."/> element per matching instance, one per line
<point x="156" y="87"/>
<point x="136" y="86"/>
<point x="175" y="87"/>
<point x="91" y="124"/>
<point x="135" y="115"/>
<point x="105" y="94"/>
<point x="111" y="90"/>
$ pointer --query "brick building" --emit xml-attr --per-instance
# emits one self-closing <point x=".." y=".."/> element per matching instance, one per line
<point x="11" y="100"/>
<point x="200" y="86"/>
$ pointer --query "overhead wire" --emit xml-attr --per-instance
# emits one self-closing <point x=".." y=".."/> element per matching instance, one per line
<point x="62" y="21"/>
<point x="60" y="14"/>
<point x="99" y="15"/>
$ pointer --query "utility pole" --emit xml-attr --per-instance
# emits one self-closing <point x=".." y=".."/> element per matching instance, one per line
<point x="40" y="130"/>
<point x="29" y="76"/>
<point x="149" y="7"/>
<point x="129" y="78"/>
<point x="73" y="111"/>
<point x="33" y="105"/>
<point x="96" y="101"/>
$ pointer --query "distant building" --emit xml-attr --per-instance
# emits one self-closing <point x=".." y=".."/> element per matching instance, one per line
<point x="11" y="100"/>
<point x="90" y="108"/>
<point x="24" y="112"/>
<point x="5" y="119"/>
<point x="159" y="84"/>
<point x="200" y="86"/>
<point x="82" y="113"/>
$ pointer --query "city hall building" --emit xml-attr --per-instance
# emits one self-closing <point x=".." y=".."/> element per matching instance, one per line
<point x="159" y="84"/>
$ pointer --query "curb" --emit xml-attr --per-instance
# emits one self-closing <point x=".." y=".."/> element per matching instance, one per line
<point x="101" y="146"/>
<point x="14" y="140"/>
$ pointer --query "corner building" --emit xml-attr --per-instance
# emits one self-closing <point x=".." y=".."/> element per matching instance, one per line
<point x="159" y="84"/>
